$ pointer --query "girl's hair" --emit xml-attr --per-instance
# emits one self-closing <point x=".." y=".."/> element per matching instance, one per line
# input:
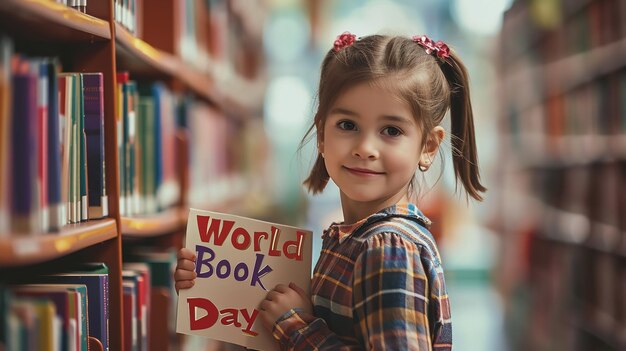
<point x="428" y="84"/>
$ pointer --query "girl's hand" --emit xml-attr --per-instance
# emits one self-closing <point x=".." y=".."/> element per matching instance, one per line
<point x="185" y="273"/>
<point x="282" y="299"/>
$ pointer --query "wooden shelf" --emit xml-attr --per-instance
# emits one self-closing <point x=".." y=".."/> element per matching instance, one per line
<point x="45" y="20"/>
<point x="19" y="250"/>
<point x="568" y="73"/>
<point x="569" y="151"/>
<point x="166" y="222"/>
<point x="142" y="59"/>
<point x="139" y="57"/>
<point x="605" y="330"/>
<point x="564" y="226"/>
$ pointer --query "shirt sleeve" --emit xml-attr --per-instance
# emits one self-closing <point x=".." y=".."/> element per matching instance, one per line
<point x="399" y="298"/>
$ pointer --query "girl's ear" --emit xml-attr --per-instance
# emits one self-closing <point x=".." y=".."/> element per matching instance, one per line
<point x="433" y="140"/>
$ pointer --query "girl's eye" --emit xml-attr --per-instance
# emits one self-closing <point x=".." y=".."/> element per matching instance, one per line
<point x="346" y="125"/>
<point x="392" y="131"/>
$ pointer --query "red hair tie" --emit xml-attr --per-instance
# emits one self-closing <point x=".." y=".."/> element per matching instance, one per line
<point x="343" y="40"/>
<point x="440" y="49"/>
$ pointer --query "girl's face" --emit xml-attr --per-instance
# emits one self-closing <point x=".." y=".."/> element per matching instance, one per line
<point x="371" y="145"/>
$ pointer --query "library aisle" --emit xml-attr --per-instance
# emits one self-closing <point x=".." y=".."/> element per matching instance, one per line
<point x="118" y="116"/>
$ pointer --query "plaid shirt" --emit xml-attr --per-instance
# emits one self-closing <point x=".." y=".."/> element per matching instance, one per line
<point x="378" y="285"/>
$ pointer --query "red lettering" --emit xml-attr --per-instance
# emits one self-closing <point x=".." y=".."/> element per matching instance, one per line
<point x="273" y="251"/>
<point x="240" y="232"/>
<point x="250" y="319"/>
<point x="205" y="322"/>
<point x="297" y="245"/>
<point x="206" y="234"/>
<point x="230" y="316"/>
<point x="257" y="240"/>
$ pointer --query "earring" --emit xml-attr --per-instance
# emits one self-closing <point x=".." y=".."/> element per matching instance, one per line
<point x="422" y="168"/>
<point x="321" y="153"/>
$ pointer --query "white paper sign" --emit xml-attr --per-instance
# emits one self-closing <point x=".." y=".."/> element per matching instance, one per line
<point x="238" y="261"/>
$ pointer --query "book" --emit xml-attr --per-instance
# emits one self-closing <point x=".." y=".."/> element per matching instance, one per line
<point x="73" y="111"/>
<point x="161" y="289"/>
<point x="66" y="101"/>
<point x="56" y="204"/>
<point x="6" y="51"/>
<point x="129" y="289"/>
<point x="82" y="147"/>
<point x="142" y="279"/>
<point x="147" y="168"/>
<point x="25" y="130"/>
<point x="122" y="79"/>
<point x="39" y="68"/>
<point x="93" y="90"/>
<point x="246" y="258"/>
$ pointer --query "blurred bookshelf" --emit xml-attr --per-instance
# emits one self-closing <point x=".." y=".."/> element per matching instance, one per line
<point x="563" y="131"/>
<point x="180" y="104"/>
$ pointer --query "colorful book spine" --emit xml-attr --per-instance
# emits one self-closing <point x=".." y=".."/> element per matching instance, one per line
<point x="6" y="51"/>
<point x="71" y="146"/>
<point x="93" y="91"/>
<point x="25" y="130"/>
<point x="122" y="79"/>
<point x="142" y="279"/>
<point x="82" y="153"/>
<point x="133" y="161"/>
<point x="65" y="124"/>
<point x="40" y="69"/>
<point x="55" y="202"/>
<point x="60" y="298"/>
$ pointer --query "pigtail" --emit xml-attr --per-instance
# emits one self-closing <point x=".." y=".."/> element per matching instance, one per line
<point x="318" y="177"/>
<point x="464" y="154"/>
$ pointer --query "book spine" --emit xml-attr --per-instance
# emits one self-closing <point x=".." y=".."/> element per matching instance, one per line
<point x="24" y="163"/>
<point x="94" y="130"/>
<point x="82" y="153"/>
<point x="40" y="68"/>
<point x="57" y="219"/>
<point x="6" y="51"/>
<point x="158" y="93"/>
<point x="121" y="145"/>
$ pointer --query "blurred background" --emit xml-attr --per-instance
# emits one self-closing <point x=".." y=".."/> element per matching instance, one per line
<point x="539" y="265"/>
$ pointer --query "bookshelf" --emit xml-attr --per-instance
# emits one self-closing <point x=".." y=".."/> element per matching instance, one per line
<point x="26" y="250"/>
<point x="563" y="133"/>
<point x="49" y="21"/>
<point x="95" y="41"/>
<point x="169" y="221"/>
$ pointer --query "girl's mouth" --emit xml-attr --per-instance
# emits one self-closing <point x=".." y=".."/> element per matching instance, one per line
<point x="364" y="172"/>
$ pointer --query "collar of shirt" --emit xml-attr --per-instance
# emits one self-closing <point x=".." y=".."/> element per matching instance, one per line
<point x="343" y="231"/>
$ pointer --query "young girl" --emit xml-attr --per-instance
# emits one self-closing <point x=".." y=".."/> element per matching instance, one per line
<point x="379" y="281"/>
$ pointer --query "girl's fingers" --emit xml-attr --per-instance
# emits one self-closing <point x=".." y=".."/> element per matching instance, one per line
<point x="184" y="284"/>
<point x="185" y="264"/>
<point x="281" y="288"/>
<point x="181" y="274"/>
<point x="186" y="254"/>
<point x="264" y="304"/>
<point x="299" y="290"/>
<point x="272" y="295"/>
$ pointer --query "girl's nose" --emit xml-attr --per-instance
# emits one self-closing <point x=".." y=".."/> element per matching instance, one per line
<point x="365" y="148"/>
